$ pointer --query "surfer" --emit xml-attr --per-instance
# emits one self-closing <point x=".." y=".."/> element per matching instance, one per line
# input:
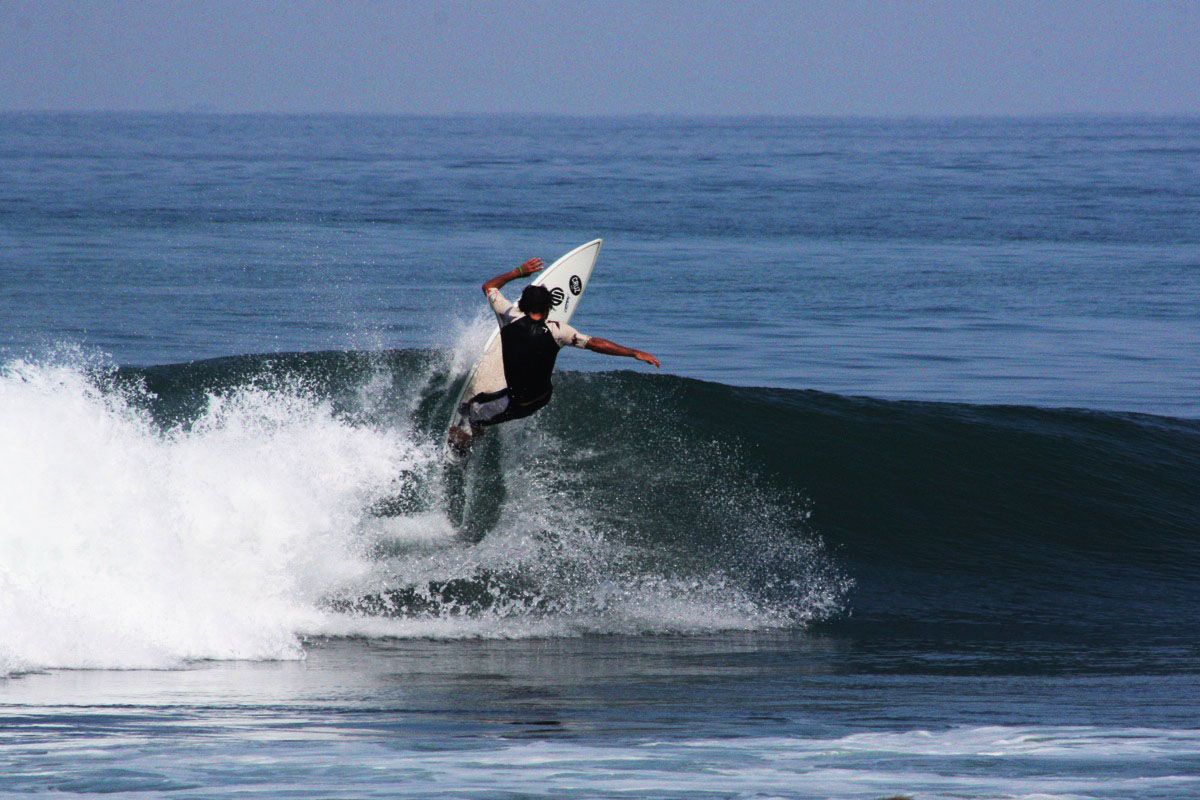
<point x="529" y="346"/>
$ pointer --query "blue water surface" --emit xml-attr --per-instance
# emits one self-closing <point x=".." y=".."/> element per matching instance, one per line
<point x="1040" y="261"/>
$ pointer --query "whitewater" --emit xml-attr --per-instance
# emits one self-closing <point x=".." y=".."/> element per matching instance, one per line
<point x="129" y="546"/>
<point x="248" y="526"/>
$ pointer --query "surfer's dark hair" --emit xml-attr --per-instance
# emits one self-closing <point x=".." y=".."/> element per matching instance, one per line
<point x="535" y="300"/>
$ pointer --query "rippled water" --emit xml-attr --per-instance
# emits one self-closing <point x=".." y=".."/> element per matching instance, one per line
<point x="733" y="715"/>
<point x="1048" y="262"/>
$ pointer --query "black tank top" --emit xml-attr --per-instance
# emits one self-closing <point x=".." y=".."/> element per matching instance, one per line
<point x="529" y="352"/>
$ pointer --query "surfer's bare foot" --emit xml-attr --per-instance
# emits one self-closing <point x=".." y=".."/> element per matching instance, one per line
<point x="459" y="440"/>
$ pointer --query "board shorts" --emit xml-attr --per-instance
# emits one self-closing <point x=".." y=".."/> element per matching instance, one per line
<point x="492" y="408"/>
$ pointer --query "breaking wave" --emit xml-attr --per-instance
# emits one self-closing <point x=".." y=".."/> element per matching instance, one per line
<point x="228" y="509"/>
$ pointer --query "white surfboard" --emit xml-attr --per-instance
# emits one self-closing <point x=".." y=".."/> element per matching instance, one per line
<point x="566" y="278"/>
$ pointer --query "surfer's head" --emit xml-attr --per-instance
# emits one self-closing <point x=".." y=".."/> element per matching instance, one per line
<point x="535" y="300"/>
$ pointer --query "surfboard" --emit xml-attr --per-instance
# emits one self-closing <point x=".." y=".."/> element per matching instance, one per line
<point x="567" y="279"/>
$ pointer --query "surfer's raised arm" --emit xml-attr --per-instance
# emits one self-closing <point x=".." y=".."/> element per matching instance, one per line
<point x="594" y="343"/>
<point x="598" y="345"/>
<point x="528" y="268"/>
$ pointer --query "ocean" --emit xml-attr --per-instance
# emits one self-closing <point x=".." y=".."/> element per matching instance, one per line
<point x="911" y="509"/>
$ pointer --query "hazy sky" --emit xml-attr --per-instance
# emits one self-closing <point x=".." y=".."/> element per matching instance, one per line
<point x="698" y="57"/>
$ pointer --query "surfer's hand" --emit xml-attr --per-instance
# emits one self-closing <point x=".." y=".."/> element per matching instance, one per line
<point x="529" y="267"/>
<point x="645" y="357"/>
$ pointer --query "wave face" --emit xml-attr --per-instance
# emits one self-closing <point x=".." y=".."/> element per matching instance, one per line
<point x="229" y="508"/>
<point x="961" y="515"/>
<point x="953" y="521"/>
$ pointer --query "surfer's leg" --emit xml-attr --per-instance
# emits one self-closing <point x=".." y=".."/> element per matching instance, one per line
<point x="487" y="397"/>
<point x="487" y="407"/>
<point x="515" y="410"/>
<point x="475" y="413"/>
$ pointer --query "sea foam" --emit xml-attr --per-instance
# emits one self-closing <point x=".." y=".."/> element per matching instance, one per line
<point x="123" y="545"/>
<point x="254" y="520"/>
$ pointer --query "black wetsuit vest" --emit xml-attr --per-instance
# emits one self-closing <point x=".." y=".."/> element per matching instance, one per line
<point x="529" y="352"/>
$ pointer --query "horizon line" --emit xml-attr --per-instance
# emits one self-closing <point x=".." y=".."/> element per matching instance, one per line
<point x="210" y="112"/>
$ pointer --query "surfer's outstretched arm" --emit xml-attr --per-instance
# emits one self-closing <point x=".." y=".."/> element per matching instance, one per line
<point x="528" y="268"/>
<point x="598" y="345"/>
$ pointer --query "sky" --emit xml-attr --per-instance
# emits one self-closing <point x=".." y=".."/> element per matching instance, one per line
<point x="604" y="58"/>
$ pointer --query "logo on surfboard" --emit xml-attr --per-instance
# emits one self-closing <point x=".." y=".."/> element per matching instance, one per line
<point x="576" y="285"/>
<point x="557" y="296"/>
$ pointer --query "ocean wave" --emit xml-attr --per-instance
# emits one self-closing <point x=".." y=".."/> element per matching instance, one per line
<point x="229" y="509"/>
